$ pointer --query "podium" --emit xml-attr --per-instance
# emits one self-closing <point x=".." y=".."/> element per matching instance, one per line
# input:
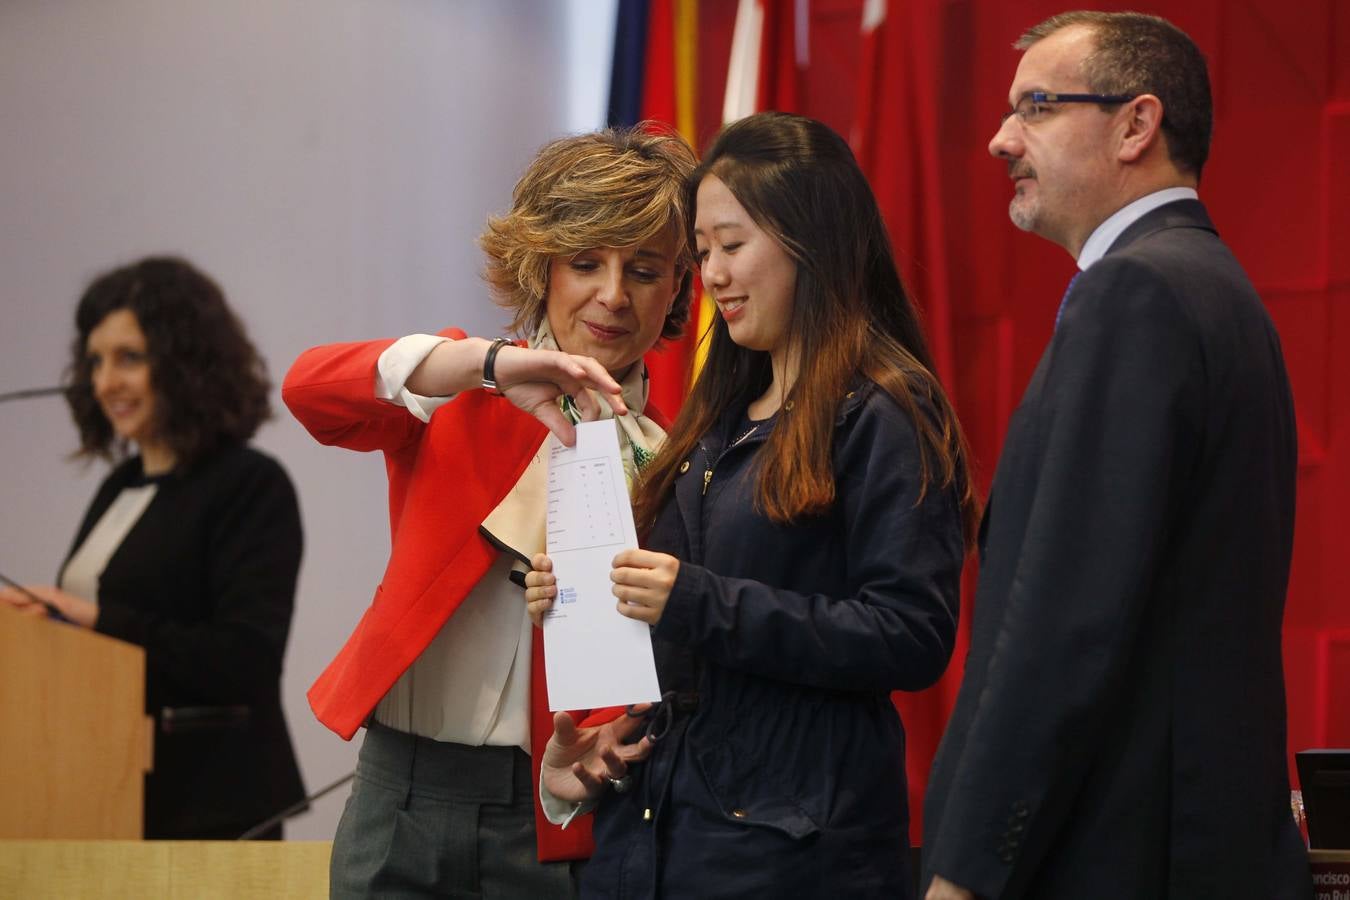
<point x="76" y="742"/>
<point x="1330" y="873"/>
<point x="192" y="870"/>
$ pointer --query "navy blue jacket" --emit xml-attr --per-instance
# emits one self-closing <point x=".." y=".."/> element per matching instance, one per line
<point x="782" y="772"/>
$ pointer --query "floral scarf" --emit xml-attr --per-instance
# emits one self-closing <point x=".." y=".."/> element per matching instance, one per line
<point x="639" y="436"/>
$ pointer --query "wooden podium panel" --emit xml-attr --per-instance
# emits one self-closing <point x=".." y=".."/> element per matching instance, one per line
<point x="193" y="870"/>
<point x="74" y="737"/>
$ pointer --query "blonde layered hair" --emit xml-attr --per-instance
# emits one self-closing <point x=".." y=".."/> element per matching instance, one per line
<point x="612" y="188"/>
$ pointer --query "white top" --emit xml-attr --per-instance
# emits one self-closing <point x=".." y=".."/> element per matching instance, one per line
<point x="1105" y="234"/>
<point x="471" y="685"/>
<point x="396" y="365"/>
<point x="87" y="563"/>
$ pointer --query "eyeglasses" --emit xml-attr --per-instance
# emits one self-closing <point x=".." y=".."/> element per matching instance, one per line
<point x="1036" y="105"/>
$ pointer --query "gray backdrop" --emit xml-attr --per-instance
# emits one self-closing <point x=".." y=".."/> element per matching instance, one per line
<point x="329" y="162"/>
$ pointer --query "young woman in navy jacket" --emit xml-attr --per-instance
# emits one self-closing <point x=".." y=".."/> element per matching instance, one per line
<point x="805" y="526"/>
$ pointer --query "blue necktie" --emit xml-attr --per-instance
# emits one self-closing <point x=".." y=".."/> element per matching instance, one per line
<point x="1059" y="315"/>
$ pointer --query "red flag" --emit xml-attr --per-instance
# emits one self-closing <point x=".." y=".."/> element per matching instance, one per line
<point x="898" y="141"/>
<point x="768" y="53"/>
<point x="782" y="55"/>
<point x="668" y="95"/>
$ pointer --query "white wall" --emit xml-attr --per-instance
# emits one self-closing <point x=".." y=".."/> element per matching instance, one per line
<point x="330" y="162"/>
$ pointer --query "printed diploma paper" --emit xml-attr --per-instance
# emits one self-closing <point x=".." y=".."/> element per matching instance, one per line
<point x="594" y="657"/>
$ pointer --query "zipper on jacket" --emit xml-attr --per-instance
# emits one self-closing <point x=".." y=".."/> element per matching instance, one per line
<point x="708" y="472"/>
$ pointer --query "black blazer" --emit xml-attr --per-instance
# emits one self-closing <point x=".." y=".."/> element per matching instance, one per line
<point x="1120" y="730"/>
<point x="205" y="582"/>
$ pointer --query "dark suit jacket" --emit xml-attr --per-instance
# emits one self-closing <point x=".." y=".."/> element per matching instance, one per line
<point x="205" y="582"/>
<point x="1120" y="731"/>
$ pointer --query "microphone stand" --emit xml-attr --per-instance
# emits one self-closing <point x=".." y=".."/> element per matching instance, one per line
<point x="28" y="394"/>
<point x="31" y="393"/>
<point x="289" y="811"/>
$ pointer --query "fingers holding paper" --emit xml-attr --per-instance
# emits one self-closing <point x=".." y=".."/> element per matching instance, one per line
<point x="567" y="373"/>
<point x="643" y="581"/>
<point x="541" y="586"/>
<point x="534" y="380"/>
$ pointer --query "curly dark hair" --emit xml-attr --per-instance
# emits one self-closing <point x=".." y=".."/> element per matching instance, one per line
<point x="211" y="387"/>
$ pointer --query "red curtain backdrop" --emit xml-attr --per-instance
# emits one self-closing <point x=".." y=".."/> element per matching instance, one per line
<point x="920" y="102"/>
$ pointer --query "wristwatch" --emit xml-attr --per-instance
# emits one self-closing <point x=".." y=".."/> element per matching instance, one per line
<point x="489" y="366"/>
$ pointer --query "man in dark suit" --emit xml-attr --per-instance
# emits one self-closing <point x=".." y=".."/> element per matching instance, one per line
<point x="1120" y="732"/>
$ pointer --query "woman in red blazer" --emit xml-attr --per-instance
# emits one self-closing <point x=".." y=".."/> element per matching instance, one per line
<point x="444" y="669"/>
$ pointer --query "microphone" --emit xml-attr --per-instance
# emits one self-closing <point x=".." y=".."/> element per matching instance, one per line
<point x="295" y="808"/>
<point x="30" y="393"/>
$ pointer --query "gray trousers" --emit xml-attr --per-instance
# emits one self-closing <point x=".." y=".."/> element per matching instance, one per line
<point x="433" y="819"/>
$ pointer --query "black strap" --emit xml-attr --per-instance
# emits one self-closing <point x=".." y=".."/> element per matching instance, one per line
<point x="489" y="366"/>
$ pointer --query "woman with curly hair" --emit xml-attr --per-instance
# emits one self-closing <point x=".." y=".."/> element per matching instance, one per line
<point x="443" y="670"/>
<point x="191" y="547"/>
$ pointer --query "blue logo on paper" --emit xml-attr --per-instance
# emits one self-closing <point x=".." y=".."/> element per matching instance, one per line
<point x="567" y="595"/>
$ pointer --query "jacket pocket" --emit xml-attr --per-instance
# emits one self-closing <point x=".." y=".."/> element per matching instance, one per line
<point x="746" y="793"/>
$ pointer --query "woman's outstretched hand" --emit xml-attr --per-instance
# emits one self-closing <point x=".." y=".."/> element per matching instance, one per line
<point x="578" y="763"/>
<point x="531" y="379"/>
<point x="534" y="380"/>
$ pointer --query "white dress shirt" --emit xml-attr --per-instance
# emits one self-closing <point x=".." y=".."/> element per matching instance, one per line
<point x="1105" y="234"/>
<point x="471" y="685"/>
<point x="81" y="575"/>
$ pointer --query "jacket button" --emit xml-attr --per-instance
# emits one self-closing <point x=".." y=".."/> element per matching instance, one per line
<point x="738" y="813"/>
<point x="684" y="467"/>
<point x="647" y="814"/>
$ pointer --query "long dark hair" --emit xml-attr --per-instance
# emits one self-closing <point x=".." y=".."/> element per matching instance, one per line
<point x="210" y="385"/>
<point x="851" y="317"/>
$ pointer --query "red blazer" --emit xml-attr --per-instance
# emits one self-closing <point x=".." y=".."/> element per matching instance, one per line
<point x="437" y="553"/>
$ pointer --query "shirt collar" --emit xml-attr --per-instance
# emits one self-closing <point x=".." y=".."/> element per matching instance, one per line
<point x="1106" y="233"/>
